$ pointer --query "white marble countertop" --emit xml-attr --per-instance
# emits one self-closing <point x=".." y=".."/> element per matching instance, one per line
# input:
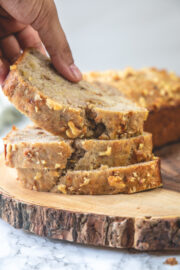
<point x="103" y="34"/>
<point x="24" y="251"/>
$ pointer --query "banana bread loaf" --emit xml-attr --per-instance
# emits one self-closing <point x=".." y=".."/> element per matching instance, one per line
<point x="156" y="90"/>
<point x="69" y="109"/>
<point x="35" y="148"/>
<point x="127" y="179"/>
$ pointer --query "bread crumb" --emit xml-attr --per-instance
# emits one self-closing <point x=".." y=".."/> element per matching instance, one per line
<point x="171" y="261"/>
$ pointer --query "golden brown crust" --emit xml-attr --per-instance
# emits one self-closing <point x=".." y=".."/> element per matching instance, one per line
<point x="127" y="179"/>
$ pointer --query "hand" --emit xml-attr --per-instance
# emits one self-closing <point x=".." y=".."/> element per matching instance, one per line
<point x="32" y="23"/>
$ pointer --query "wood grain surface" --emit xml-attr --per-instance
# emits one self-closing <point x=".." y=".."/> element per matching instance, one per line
<point x="144" y="221"/>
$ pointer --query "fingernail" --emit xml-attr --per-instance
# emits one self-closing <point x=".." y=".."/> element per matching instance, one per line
<point x="76" y="72"/>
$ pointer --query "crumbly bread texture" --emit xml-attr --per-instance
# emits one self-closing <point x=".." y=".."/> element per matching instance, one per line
<point x="156" y="90"/>
<point x="72" y="110"/>
<point x="127" y="179"/>
<point x="35" y="148"/>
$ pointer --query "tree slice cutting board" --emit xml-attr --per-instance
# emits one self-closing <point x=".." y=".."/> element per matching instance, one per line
<point x="144" y="221"/>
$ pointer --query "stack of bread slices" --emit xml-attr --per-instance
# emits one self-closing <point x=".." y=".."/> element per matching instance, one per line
<point x="85" y="140"/>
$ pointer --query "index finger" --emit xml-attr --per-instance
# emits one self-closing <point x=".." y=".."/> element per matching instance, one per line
<point x="52" y="35"/>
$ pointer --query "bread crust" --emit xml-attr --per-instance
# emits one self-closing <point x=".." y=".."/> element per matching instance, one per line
<point x="164" y="125"/>
<point x="127" y="179"/>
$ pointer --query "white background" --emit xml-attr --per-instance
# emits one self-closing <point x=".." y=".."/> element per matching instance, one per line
<point x="107" y="34"/>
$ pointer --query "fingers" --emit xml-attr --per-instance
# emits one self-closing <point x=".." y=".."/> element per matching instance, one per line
<point x="10" y="48"/>
<point x="10" y="51"/>
<point x="52" y="35"/>
<point x="8" y="25"/>
<point x="4" y="68"/>
<point x="29" y="38"/>
<point x="42" y="15"/>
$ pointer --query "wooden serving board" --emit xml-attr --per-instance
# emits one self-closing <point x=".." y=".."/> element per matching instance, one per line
<point x="144" y="221"/>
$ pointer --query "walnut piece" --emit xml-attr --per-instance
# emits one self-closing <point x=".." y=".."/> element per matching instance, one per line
<point x="43" y="162"/>
<point x="134" y="174"/>
<point x="37" y="97"/>
<point x="132" y="189"/>
<point x="171" y="261"/>
<point x="36" y="109"/>
<point x="107" y="152"/>
<point x="13" y="67"/>
<point x="62" y="188"/>
<point x="57" y="166"/>
<point x="52" y="105"/>
<point x="141" y="145"/>
<point x="85" y="183"/>
<point x="117" y="182"/>
<point x="73" y="131"/>
<point x="37" y="176"/>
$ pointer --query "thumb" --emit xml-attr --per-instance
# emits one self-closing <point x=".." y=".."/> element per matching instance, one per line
<point x="52" y="35"/>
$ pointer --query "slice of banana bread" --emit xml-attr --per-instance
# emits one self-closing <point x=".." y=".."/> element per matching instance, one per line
<point x="35" y="148"/>
<point x="156" y="90"/>
<point x="69" y="109"/>
<point x="127" y="179"/>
